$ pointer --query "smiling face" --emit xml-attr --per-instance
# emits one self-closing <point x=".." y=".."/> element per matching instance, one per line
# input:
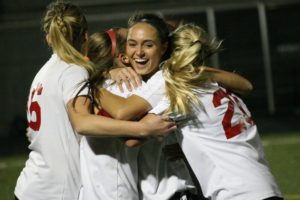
<point x="144" y="49"/>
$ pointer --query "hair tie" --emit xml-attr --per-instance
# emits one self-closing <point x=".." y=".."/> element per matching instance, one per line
<point x="112" y="36"/>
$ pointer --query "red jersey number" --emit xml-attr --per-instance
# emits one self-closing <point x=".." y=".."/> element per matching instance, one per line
<point x="229" y="129"/>
<point x="35" y="107"/>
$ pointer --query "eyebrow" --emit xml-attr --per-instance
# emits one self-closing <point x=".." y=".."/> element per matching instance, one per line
<point x="144" y="41"/>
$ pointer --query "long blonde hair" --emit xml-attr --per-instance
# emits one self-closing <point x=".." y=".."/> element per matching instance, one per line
<point x="183" y="72"/>
<point x="66" y="27"/>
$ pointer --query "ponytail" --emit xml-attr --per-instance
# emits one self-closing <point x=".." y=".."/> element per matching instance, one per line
<point x="184" y="71"/>
<point x="66" y="26"/>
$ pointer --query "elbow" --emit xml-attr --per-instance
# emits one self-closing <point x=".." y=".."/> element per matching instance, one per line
<point x="249" y="88"/>
<point x="123" y="114"/>
<point x="132" y="143"/>
<point x="79" y="128"/>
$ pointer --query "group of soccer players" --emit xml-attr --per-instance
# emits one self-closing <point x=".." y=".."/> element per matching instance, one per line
<point x="179" y="130"/>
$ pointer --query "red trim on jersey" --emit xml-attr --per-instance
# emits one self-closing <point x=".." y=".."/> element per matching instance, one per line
<point x="104" y="113"/>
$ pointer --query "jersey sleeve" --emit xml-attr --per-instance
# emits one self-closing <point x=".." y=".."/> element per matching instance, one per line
<point x="72" y="80"/>
<point x="153" y="91"/>
<point x="161" y="106"/>
<point x="113" y="88"/>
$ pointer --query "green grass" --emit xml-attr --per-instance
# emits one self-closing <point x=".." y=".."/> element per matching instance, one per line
<point x="282" y="152"/>
<point x="10" y="168"/>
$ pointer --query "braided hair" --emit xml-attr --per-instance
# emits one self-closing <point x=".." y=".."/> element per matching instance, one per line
<point x="65" y="27"/>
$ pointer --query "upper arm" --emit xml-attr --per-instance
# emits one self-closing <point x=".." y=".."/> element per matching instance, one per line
<point x="86" y="123"/>
<point x="77" y="110"/>
<point x="229" y="80"/>
<point x="131" y="108"/>
<point x="143" y="99"/>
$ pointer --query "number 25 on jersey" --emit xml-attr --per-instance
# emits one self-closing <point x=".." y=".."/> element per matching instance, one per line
<point x="34" y="110"/>
<point x="229" y="129"/>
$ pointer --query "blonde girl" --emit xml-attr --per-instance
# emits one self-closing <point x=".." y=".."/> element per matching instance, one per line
<point x="220" y="141"/>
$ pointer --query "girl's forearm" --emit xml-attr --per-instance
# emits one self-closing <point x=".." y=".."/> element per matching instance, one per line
<point x="229" y="80"/>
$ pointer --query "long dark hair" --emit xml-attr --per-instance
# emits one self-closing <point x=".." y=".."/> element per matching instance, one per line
<point x="98" y="50"/>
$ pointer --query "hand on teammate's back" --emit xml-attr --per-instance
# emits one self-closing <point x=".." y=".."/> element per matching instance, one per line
<point x="158" y="125"/>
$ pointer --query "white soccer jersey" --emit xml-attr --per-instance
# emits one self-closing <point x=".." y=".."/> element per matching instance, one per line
<point x="108" y="166"/>
<point x="52" y="170"/>
<point x="159" y="178"/>
<point x="222" y="146"/>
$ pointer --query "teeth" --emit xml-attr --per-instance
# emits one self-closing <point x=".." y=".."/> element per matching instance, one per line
<point x="140" y="60"/>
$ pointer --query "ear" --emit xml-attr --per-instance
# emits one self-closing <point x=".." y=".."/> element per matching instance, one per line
<point x="124" y="59"/>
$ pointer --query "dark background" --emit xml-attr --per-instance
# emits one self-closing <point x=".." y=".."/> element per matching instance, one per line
<point x="261" y="40"/>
